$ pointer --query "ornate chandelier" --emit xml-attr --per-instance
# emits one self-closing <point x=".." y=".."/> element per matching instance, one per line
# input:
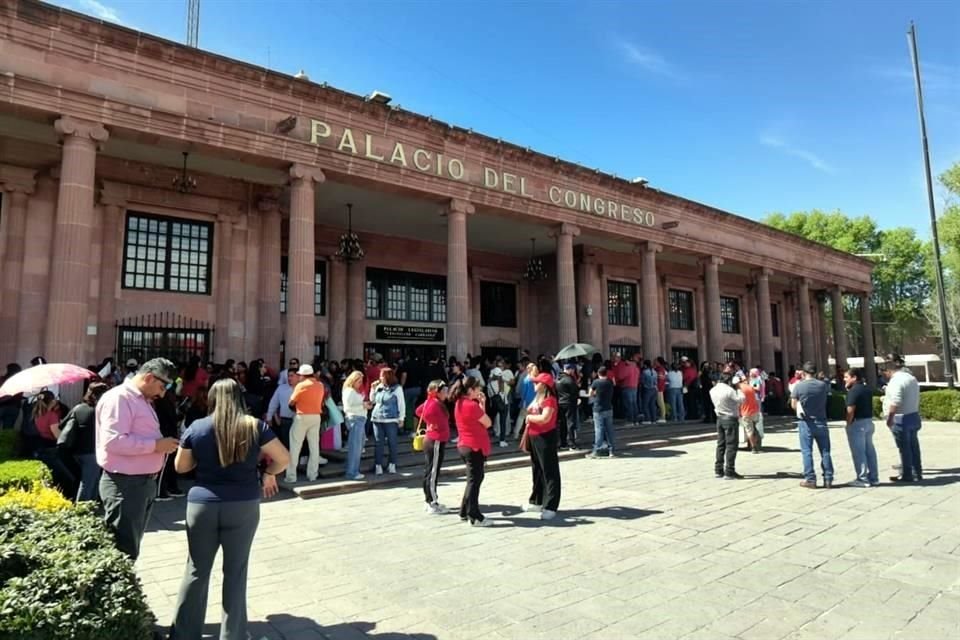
<point x="184" y="183"/>
<point x="349" y="249"/>
<point x="535" y="271"/>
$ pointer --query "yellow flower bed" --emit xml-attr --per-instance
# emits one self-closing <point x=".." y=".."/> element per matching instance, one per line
<point x="39" y="497"/>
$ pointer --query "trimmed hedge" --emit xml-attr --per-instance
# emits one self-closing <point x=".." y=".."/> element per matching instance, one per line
<point x="941" y="405"/>
<point x="64" y="579"/>
<point x="23" y="474"/>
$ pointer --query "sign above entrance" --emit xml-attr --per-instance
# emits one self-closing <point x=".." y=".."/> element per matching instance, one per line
<point x="372" y="147"/>
<point x="415" y="334"/>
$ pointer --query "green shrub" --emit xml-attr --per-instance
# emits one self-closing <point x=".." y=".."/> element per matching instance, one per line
<point x="64" y="579"/>
<point x="8" y="444"/>
<point x="877" y="406"/>
<point x="940" y="405"/>
<point x="22" y="474"/>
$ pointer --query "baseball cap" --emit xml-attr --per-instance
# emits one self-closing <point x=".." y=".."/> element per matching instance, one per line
<point x="684" y="359"/>
<point x="132" y="362"/>
<point x="544" y="378"/>
<point x="809" y="367"/>
<point x="305" y="370"/>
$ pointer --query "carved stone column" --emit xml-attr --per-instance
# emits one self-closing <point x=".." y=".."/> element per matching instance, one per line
<point x="66" y="334"/>
<point x="765" y="319"/>
<point x="711" y="279"/>
<point x="111" y="256"/>
<point x="839" y="327"/>
<point x="869" y="348"/>
<point x="807" y="348"/>
<point x="652" y="346"/>
<point x="459" y="328"/>
<point x="301" y="261"/>
<point x="223" y="239"/>
<point x="11" y="281"/>
<point x="823" y="350"/>
<point x="271" y="322"/>
<point x="356" y="308"/>
<point x="337" y="310"/>
<point x="566" y="285"/>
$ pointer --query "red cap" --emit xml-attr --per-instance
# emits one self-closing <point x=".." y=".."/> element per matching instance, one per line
<point x="544" y="378"/>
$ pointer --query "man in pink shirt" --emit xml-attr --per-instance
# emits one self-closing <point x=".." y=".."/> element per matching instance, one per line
<point x="131" y="450"/>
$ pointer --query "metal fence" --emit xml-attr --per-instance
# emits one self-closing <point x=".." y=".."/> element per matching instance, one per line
<point x="164" y="335"/>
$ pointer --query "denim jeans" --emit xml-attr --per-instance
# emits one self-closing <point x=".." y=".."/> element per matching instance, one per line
<point x="629" y="398"/>
<point x="678" y="412"/>
<point x="89" y="488"/>
<point x="811" y="431"/>
<point x="905" y="430"/>
<point x="384" y="432"/>
<point x="648" y="404"/>
<point x="602" y="429"/>
<point x="860" y="437"/>
<point x="357" y="432"/>
<point x="410" y="397"/>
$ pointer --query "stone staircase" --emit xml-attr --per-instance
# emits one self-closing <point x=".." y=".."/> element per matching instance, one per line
<point x="410" y="463"/>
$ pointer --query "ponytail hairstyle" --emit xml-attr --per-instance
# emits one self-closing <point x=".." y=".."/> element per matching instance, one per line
<point x="460" y="390"/>
<point x="433" y="391"/>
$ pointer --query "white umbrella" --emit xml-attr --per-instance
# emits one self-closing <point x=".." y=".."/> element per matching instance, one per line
<point x="575" y="350"/>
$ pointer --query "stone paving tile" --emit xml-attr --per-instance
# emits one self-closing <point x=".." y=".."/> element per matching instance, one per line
<point x="648" y="545"/>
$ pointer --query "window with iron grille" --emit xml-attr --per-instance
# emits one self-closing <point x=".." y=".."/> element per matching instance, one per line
<point x="167" y="254"/>
<point x="498" y="304"/>
<point x="729" y="314"/>
<point x="175" y="344"/>
<point x="684" y="352"/>
<point x="400" y="295"/>
<point x="681" y="309"/>
<point x="319" y="286"/>
<point x="775" y="318"/>
<point x="622" y="303"/>
<point x="733" y="355"/>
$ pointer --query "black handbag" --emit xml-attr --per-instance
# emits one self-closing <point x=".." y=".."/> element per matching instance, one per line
<point x="68" y="432"/>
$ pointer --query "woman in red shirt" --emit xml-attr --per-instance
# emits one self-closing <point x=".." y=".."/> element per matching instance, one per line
<point x="434" y="414"/>
<point x="473" y="445"/>
<point x="542" y="443"/>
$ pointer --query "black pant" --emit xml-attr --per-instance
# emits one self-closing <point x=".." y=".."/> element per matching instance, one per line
<point x="433" y="452"/>
<point x="727" y="429"/>
<point x="470" y="505"/>
<point x="546" y="470"/>
<point x="567" y="421"/>
<point x="127" y="501"/>
<point x="169" y="479"/>
<point x="283" y="432"/>
<point x="709" y="415"/>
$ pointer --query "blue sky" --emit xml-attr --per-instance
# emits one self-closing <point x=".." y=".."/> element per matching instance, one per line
<point x="752" y="107"/>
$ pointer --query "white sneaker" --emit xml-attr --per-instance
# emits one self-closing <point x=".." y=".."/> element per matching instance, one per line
<point x="503" y="444"/>
<point x="378" y="471"/>
<point x="290" y="480"/>
<point x="391" y="468"/>
<point x="548" y="515"/>
<point x="431" y="509"/>
<point x="322" y="460"/>
<point x="532" y="508"/>
<point x="482" y="523"/>
<point x="441" y="508"/>
<point x="661" y="421"/>
<point x="359" y="476"/>
<point x="453" y="440"/>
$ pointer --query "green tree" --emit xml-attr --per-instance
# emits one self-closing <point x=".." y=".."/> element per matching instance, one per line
<point x="901" y="284"/>
<point x="948" y="230"/>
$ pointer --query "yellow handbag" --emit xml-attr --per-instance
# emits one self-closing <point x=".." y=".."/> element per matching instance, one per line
<point x="419" y="436"/>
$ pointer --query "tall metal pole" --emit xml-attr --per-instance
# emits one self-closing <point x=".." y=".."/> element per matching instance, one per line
<point x="941" y="298"/>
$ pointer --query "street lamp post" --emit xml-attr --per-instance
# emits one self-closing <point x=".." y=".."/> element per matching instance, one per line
<point x="941" y="298"/>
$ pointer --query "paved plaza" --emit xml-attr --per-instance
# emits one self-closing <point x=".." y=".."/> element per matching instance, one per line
<point x="648" y="545"/>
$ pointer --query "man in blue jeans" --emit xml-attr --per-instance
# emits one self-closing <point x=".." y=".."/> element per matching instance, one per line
<point x="601" y="390"/>
<point x="901" y="408"/>
<point x="810" y="402"/>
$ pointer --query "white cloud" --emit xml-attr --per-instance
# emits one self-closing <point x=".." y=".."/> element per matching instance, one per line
<point x="815" y="161"/>
<point x="101" y="11"/>
<point x="649" y="61"/>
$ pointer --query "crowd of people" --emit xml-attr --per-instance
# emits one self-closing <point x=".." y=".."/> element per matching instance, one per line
<point x="233" y="428"/>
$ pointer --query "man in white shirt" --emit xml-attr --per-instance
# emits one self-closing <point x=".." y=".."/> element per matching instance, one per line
<point x="901" y="408"/>
<point x="726" y="400"/>
<point x="498" y="409"/>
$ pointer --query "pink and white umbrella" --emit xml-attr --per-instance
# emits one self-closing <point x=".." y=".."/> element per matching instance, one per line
<point x="34" y="379"/>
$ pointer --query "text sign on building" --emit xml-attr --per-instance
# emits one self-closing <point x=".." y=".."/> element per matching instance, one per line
<point x="372" y="147"/>
<point x="418" y="334"/>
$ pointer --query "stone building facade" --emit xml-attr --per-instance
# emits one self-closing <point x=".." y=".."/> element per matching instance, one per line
<point x="106" y="250"/>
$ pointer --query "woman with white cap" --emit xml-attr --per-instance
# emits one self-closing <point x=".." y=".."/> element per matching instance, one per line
<point x="541" y="436"/>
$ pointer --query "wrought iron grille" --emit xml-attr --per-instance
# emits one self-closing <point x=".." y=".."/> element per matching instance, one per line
<point x="164" y="335"/>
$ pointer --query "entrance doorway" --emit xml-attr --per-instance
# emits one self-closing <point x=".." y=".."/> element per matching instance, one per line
<point x="393" y="352"/>
<point x="684" y="352"/>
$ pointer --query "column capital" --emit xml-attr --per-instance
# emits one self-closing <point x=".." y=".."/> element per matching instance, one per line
<point x="710" y="260"/>
<point x="456" y="205"/>
<point x="68" y="126"/>
<point x="300" y="172"/>
<point x="802" y="282"/>
<point x="649" y="246"/>
<point x="17" y="179"/>
<point x="565" y="229"/>
<point x="763" y="273"/>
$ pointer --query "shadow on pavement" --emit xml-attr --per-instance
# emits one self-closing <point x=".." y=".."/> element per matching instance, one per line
<point x="283" y="626"/>
<point x="646" y="453"/>
<point x="772" y="449"/>
<point x="779" y="475"/>
<point x="513" y="516"/>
